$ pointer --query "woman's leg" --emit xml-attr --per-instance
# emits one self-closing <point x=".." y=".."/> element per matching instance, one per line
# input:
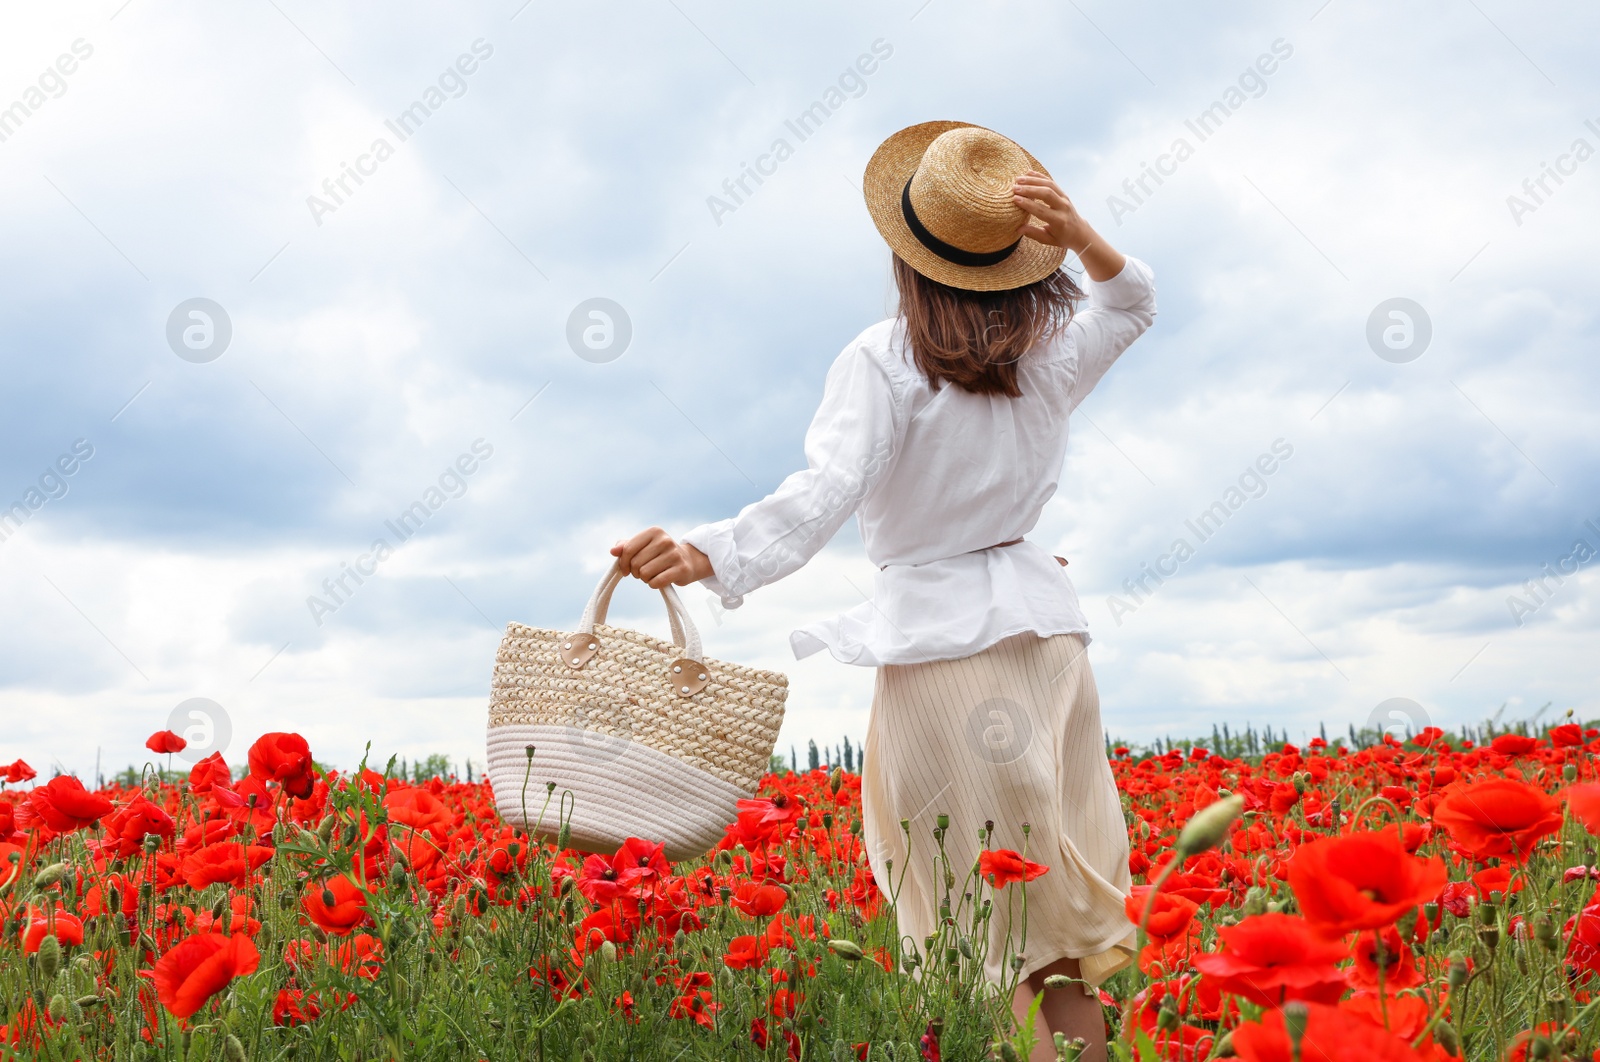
<point x="1064" y="1010"/>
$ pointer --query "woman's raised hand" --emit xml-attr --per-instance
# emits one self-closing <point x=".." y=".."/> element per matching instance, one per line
<point x="654" y="557"/>
<point x="1057" y="222"/>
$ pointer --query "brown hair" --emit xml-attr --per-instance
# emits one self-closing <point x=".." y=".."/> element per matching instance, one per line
<point x="974" y="339"/>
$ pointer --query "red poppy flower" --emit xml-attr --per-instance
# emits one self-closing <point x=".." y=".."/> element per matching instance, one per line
<point x="640" y="864"/>
<point x="285" y="759"/>
<point x="66" y="928"/>
<point x="597" y="880"/>
<point x="758" y="901"/>
<point x="1582" y="934"/>
<point x="1584" y="803"/>
<point x="164" y="742"/>
<point x="295" y="1007"/>
<point x="1331" y="1036"/>
<point x="1514" y="744"/>
<point x="1566" y="736"/>
<point x="1002" y="866"/>
<point x="1403" y="1016"/>
<point x="745" y="953"/>
<point x="1361" y="880"/>
<point x="1272" y="958"/>
<point x="419" y="809"/>
<point x="209" y="773"/>
<point x="64" y="805"/>
<point x="1169" y="917"/>
<point x="1498" y="817"/>
<point x="17" y="772"/>
<point x="1397" y="963"/>
<point x="127" y="826"/>
<point x="347" y="911"/>
<point x="200" y="967"/>
<point x="227" y="862"/>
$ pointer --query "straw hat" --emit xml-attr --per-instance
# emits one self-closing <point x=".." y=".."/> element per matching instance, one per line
<point x="940" y="194"/>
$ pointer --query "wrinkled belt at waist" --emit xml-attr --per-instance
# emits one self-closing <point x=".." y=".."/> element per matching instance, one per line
<point x="997" y="545"/>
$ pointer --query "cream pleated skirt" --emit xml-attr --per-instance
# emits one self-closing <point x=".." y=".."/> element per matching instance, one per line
<point x="1010" y="735"/>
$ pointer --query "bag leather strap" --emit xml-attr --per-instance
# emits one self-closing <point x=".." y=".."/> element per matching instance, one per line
<point x="684" y="632"/>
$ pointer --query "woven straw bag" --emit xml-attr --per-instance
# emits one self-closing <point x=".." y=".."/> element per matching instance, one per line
<point x="651" y="738"/>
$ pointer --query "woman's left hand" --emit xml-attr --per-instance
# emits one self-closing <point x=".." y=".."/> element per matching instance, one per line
<point x="654" y="557"/>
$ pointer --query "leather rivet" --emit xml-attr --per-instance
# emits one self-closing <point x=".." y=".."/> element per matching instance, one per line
<point x="676" y="668"/>
<point x="702" y="678"/>
<point x="685" y="689"/>
<point x="575" y="660"/>
<point x="567" y="645"/>
<point x="593" y="646"/>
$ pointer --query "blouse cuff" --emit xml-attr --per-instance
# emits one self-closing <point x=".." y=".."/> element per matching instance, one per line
<point x="1128" y="289"/>
<point x="715" y="540"/>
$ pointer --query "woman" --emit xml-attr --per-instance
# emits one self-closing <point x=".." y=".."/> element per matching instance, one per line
<point x="945" y="429"/>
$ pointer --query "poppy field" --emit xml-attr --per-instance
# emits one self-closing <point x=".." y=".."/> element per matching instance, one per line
<point x="1421" y="899"/>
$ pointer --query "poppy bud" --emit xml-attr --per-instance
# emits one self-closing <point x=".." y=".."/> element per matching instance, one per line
<point x="952" y="957"/>
<point x="1223" y="1048"/>
<point x="397" y="875"/>
<point x="1209" y="826"/>
<point x="233" y="1050"/>
<point x="942" y="821"/>
<point x="564" y="835"/>
<point x="549" y="787"/>
<point x="847" y="950"/>
<point x="608" y="951"/>
<point x="1430" y="911"/>
<point x="801" y="823"/>
<point x="1295" y="1014"/>
<point x="1167" y="1019"/>
<point x="1569" y="773"/>
<point x="836" y="779"/>
<point x="1445" y="1035"/>
<point x="827" y="820"/>
<point x="58" y="1007"/>
<point x="1255" y="900"/>
<point x="1544" y="930"/>
<point x="965" y="946"/>
<point x="49" y="957"/>
<point x="1007" y="1053"/>
<point x="88" y="1001"/>
<point x="1539" y="1047"/>
<point x="49" y="875"/>
<point x="325" y="829"/>
<point x="152" y="841"/>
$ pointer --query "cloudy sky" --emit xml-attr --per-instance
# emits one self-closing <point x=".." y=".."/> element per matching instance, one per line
<point x="396" y="209"/>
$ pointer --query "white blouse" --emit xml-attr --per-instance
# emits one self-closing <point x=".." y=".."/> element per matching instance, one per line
<point x="936" y="478"/>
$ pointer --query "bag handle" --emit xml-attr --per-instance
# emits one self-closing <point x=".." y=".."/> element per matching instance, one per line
<point x="687" y="674"/>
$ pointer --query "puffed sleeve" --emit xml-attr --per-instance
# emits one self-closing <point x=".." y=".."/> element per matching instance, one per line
<point x="851" y="442"/>
<point x="1119" y="311"/>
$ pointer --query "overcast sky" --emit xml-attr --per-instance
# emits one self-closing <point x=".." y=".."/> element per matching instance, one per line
<point x="396" y="209"/>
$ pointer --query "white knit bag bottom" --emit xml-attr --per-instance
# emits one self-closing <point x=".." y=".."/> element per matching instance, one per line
<point x="620" y="789"/>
